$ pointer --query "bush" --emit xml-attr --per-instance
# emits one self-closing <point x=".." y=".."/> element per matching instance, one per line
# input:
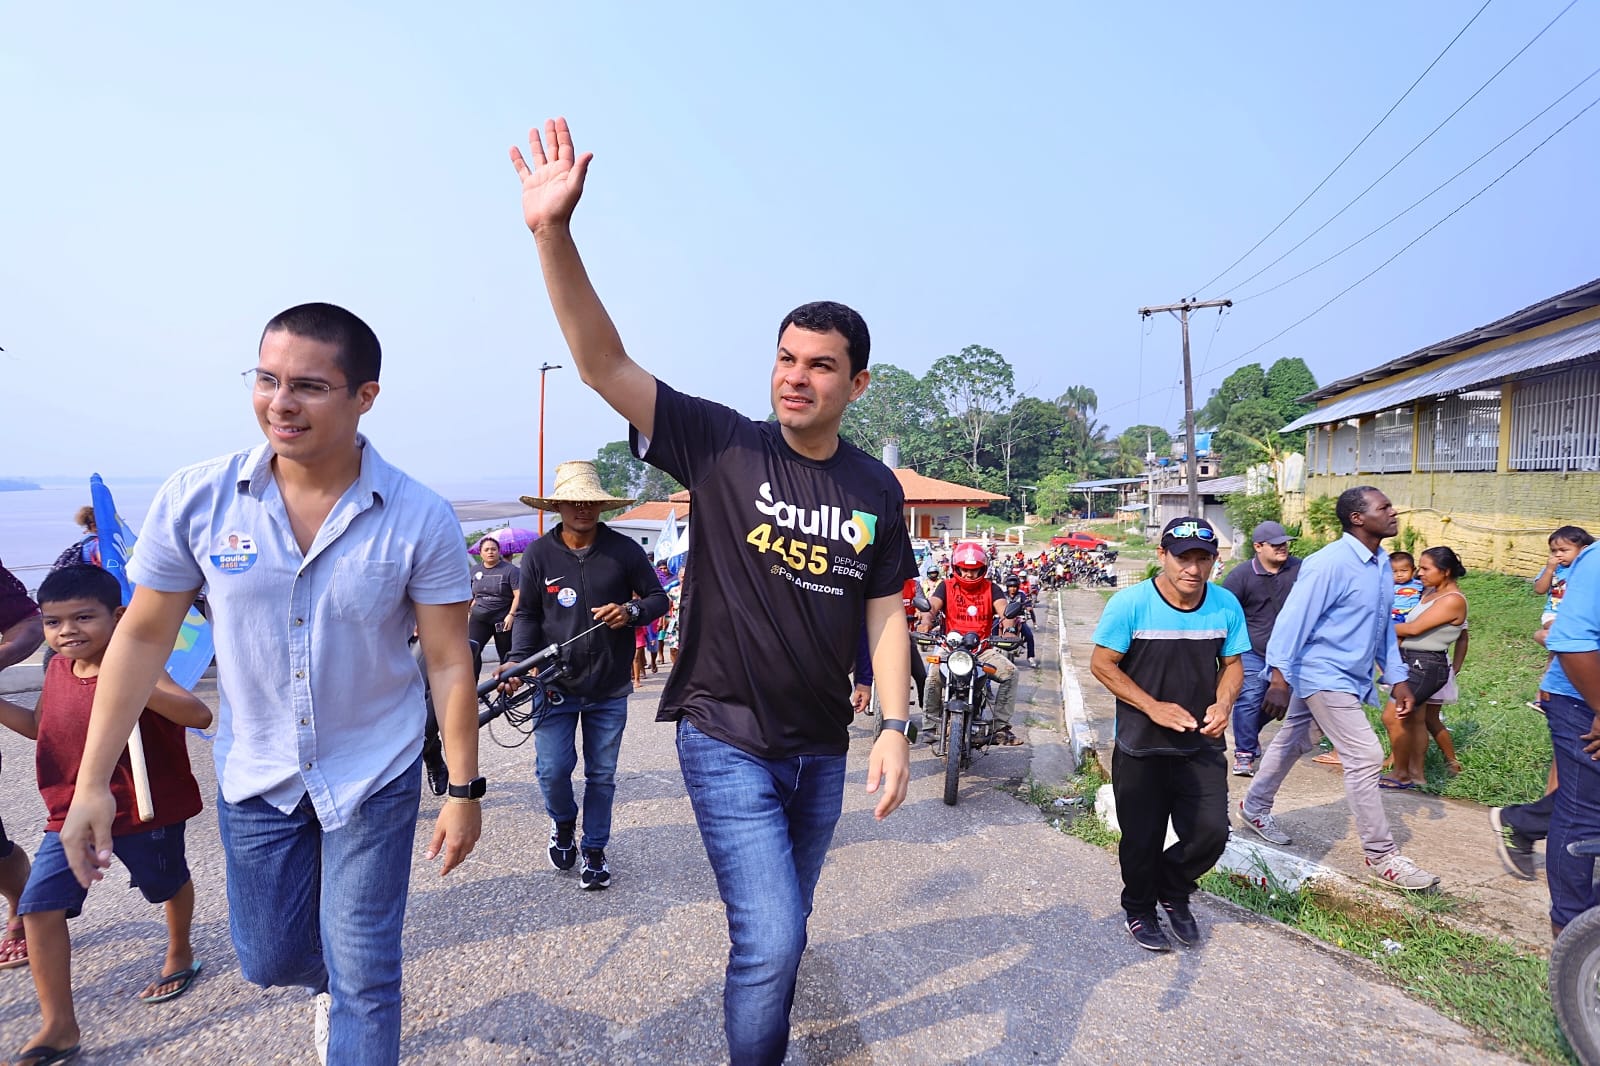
<point x="1246" y="511"/>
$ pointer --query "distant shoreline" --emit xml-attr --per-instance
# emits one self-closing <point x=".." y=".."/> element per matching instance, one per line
<point x="18" y="484"/>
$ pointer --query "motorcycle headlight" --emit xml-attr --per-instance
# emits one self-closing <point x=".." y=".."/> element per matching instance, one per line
<point x="961" y="663"/>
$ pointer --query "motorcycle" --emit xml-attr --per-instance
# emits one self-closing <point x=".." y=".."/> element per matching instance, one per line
<point x="955" y="701"/>
<point x="1575" y="974"/>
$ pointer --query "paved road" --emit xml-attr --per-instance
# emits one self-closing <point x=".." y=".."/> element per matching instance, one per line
<point x="973" y="934"/>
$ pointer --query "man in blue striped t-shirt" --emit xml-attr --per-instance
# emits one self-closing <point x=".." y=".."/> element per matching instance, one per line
<point x="1168" y="649"/>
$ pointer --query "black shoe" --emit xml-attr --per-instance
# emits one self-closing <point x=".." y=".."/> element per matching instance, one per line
<point x="563" y="849"/>
<point x="1516" y="850"/>
<point x="1181" y="919"/>
<point x="433" y="765"/>
<point x="596" y="874"/>
<point x="1146" y="932"/>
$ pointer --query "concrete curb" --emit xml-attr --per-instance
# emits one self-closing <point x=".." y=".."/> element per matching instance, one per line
<point x="1074" y="717"/>
<point x="1249" y="859"/>
<point x="24" y="677"/>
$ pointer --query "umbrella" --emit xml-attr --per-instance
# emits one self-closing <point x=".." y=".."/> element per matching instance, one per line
<point x="513" y="540"/>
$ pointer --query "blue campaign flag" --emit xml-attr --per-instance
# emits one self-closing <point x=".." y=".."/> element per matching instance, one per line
<point x="192" y="651"/>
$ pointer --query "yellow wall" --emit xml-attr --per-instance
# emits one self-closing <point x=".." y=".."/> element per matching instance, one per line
<point x="1493" y="521"/>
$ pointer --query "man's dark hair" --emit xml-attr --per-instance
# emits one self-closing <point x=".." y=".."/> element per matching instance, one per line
<point x="1351" y="503"/>
<point x="1402" y="557"/>
<point x="1447" y="560"/>
<point x="1575" y="535"/>
<point x="824" y="315"/>
<point x="81" y="582"/>
<point x="360" y="356"/>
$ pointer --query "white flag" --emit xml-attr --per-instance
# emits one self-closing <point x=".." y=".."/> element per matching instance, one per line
<point x="667" y="542"/>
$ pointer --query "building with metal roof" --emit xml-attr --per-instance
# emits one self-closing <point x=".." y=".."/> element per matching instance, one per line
<point x="1485" y="441"/>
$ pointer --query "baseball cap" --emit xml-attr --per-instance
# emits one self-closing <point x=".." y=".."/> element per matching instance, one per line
<point x="1269" y="533"/>
<point x="1186" y="534"/>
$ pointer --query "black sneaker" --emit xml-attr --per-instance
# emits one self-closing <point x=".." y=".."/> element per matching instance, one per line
<point x="1516" y="850"/>
<point x="596" y="874"/>
<point x="433" y="765"/>
<point x="1181" y="919"/>
<point x="563" y="849"/>
<point x="1146" y="932"/>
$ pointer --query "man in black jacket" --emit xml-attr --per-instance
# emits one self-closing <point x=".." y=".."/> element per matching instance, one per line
<point x="578" y="574"/>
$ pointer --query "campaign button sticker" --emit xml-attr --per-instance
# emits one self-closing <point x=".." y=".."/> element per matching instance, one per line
<point x="234" y="553"/>
<point x="567" y="597"/>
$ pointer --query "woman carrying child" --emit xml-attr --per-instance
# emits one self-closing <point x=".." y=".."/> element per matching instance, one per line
<point x="1426" y="637"/>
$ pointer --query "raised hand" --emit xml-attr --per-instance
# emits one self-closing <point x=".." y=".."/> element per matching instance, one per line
<point x="552" y="186"/>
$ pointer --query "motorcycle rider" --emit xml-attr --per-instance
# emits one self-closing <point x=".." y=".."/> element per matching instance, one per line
<point x="971" y="603"/>
<point x="1014" y="592"/>
<point x="932" y="581"/>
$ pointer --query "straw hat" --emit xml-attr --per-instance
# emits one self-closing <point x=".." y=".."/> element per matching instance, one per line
<point x="576" y="482"/>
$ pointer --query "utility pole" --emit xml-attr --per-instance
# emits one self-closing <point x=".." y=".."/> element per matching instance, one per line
<point x="543" y="370"/>
<point x="1182" y="309"/>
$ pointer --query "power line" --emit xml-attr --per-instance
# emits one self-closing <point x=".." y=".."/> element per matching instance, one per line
<point x="1501" y="143"/>
<point x="1301" y="321"/>
<point x="1412" y="151"/>
<point x="1226" y="270"/>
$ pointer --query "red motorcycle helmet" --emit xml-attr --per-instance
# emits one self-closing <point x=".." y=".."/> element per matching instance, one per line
<point x="965" y="559"/>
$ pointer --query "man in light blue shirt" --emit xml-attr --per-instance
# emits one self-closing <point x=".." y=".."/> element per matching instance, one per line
<point x="1573" y="712"/>
<point x="1333" y="630"/>
<point x="319" y="557"/>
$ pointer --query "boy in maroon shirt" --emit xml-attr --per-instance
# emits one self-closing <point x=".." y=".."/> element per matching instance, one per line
<point x="80" y="607"/>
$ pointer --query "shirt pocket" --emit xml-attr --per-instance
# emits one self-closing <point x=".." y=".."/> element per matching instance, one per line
<point x="360" y="590"/>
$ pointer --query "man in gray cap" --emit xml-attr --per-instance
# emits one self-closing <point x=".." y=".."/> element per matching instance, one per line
<point x="1261" y="584"/>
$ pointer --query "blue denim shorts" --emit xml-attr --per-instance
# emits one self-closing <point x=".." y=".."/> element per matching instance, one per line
<point x="154" y="859"/>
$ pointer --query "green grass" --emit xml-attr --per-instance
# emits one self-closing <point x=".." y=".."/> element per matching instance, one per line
<point x="1481" y="982"/>
<point x="1503" y="745"/>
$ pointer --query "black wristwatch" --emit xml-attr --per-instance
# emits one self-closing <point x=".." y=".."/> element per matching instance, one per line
<point x="472" y="790"/>
<point x="633" y="612"/>
<point x="897" y="724"/>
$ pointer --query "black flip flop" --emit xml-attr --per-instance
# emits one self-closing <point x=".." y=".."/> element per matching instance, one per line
<point x="41" y="1055"/>
<point x="186" y="977"/>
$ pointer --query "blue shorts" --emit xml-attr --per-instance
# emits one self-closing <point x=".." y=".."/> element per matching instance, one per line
<point x="154" y="860"/>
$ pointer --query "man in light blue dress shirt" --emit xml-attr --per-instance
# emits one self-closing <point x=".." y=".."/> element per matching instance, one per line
<point x="318" y="558"/>
<point x="1333" y="630"/>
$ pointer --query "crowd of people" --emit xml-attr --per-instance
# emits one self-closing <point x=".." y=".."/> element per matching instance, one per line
<point x="321" y="562"/>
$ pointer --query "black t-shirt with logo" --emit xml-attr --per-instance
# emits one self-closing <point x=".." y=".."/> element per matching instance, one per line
<point x="492" y="588"/>
<point x="783" y="553"/>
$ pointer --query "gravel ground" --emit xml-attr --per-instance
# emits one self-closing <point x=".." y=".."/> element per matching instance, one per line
<point x="968" y="934"/>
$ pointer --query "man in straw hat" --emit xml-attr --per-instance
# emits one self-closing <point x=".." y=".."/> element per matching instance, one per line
<point x="794" y="535"/>
<point x="578" y="574"/>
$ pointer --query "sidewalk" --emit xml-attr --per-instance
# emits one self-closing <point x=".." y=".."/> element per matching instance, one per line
<point x="1447" y="837"/>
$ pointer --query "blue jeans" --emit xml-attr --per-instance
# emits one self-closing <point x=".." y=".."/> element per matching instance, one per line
<point x="1247" y="708"/>
<point x="766" y="825"/>
<point x="554" y="741"/>
<point x="325" y="909"/>
<point x="1577" y="810"/>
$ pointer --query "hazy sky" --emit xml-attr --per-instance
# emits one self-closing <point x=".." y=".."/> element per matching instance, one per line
<point x="1022" y="176"/>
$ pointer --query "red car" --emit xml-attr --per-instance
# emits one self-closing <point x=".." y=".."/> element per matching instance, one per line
<point x="1078" y="539"/>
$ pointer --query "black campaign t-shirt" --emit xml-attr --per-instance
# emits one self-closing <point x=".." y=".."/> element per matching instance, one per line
<point x="784" y="551"/>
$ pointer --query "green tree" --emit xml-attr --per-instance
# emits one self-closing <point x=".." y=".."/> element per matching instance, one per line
<point x="623" y="475"/>
<point x="1288" y="379"/>
<point x="1249" y="382"/>
<point x="1134" y="438"/>
<point x="1024" y="438"/>
<point x="975" y="385"/>
<point x="896" y="406"/>
<point x="1054" y="496"/>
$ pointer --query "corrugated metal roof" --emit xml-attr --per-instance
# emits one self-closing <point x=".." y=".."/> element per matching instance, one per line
<point x="1215" y="487"/>
<point x="1489" y="368"/>
<point x="1579" y="298"/>
<point x="1106" y="483"/>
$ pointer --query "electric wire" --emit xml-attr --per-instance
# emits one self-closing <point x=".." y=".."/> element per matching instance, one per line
<point x="1501" y="143"/>
<point x="1404" y="248"/>
<point x="1412" y="151"/>
<point x="1229" y="268"/>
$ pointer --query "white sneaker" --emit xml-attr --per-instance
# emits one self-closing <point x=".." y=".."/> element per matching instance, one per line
<point x="319" y="1029"/>
<point x="1397" y="871"/>
<point x="1265" y="826"/>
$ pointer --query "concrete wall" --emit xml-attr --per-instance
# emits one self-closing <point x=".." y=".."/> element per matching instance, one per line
<point x="1493" y="521"/>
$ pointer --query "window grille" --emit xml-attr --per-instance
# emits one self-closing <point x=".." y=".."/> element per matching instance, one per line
<point x="1460" y="432"/>
<point x="1344" y="450"/>
<point x="1555" y="421"/>
<point x="1386" y="442"/>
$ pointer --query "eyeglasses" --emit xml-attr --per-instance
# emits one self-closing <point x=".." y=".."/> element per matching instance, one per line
<point x="306" y="390"/>
<point x="1190" y="531"/>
